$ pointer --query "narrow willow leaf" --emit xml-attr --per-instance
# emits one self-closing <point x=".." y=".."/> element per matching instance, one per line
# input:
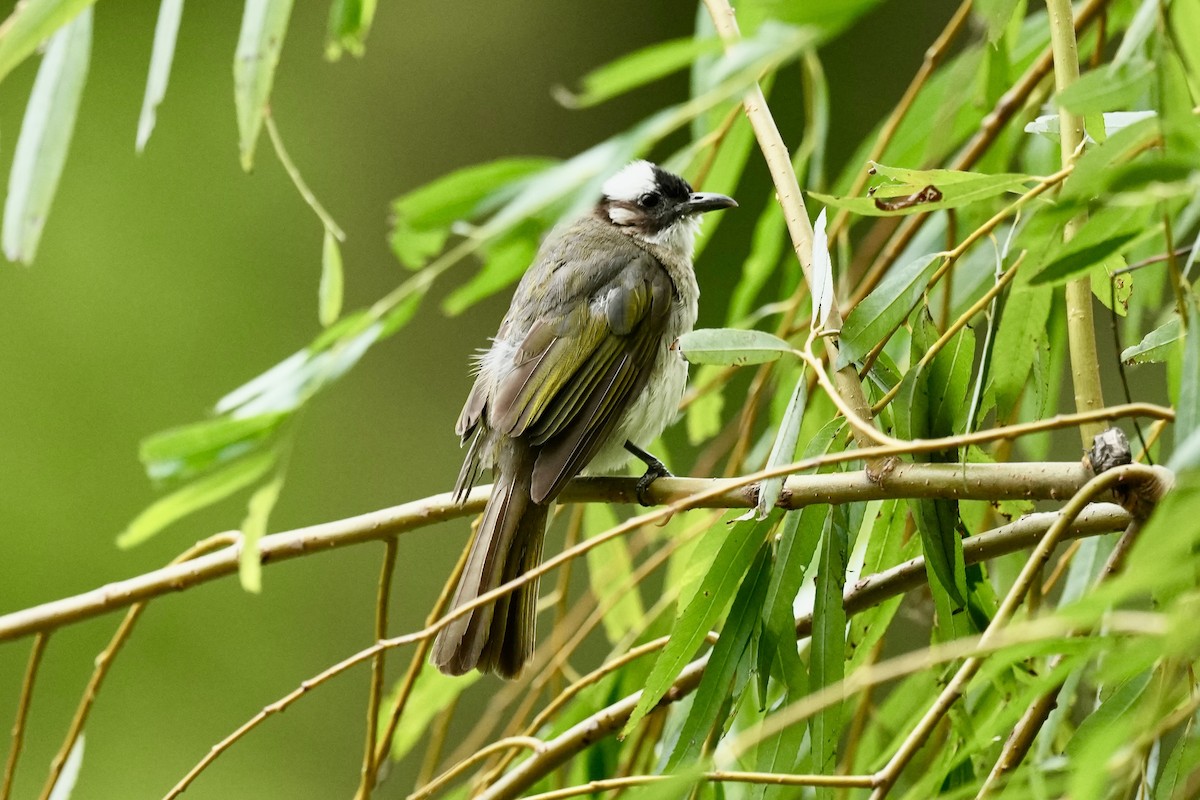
<point x="884" y="551"/>
<point x="181" y="451"/>
<point x="1081" y="258"/>
<point x="254" y="527"/>
<point x="715" y="686"/>
<point x="198" y="494"/>
<point x="828" y="662"/>
<point x="422" y="218"/>
<point x="828" y="17"/>
<point x="822" y="275"/>
<point x="731" y="346"/>
<point x="504" y="263"/>
<point x="163" y="52"/>
<point x="64" y="786"/>
<point x="1116" y="87"/>
<point x="766" y="247"/>
<point x="1020" y="337"/>
<point x="1156" y="346"/>
<point x="638" y="69"/>
<point x="609" y="568"/>
<point x="783" y="451"/>
<point x="332" y="285"/>
<point x="711" y="598"/>
<point x="996" y="15"/>
<point x="431" y="694"/>
<point x="1185" y="756"/>
<point x="264" y="23"/>
<point x="798" y="539"/>
<point x="1187" y="408"/>
<point x="45" y="134"/>
<point x="32" y="23"/>
<point x="349" y="23"/>
<point x="886" y="307"/>
<point x="898" y="199"/>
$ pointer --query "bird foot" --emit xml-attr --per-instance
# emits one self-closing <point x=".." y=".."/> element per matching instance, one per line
<point x="655" y="469"/>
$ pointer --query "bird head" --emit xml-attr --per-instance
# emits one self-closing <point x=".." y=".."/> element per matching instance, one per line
<point x="645" y="201"/>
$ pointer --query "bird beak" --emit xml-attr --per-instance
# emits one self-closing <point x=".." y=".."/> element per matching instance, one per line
<point x="699" y="202"/>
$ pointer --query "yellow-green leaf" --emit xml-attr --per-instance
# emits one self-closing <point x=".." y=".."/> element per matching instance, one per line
<point x="264" y="23"/>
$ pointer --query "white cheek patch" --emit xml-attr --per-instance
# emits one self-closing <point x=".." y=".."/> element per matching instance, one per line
<point x="630" y="183"/>
<point x="621" y="216"/>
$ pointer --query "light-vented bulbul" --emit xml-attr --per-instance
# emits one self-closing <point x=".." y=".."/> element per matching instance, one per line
<point x="581" y="373"/>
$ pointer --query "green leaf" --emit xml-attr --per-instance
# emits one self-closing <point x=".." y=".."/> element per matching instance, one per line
<point x="198" y="494"/>
<point x="783" y="451"/>
<point x="766" y="247"/>
<point x="609" y="570"/>
<point x="1115" y="87"/>
<point x="504" y="263"/>
<point x="1156" y="346"/>
<point x="264" y="24"/>
<point x="711" y="598"/>
<point x="431" y="694"/>
<point x="952" y="189"/>
<point x="332" y="285"/>
<point x="1020" y="337"/>
<point x="828" y="17"/>
<point x="996" y="15"/>
<point x="1080" y="258"/>
<point x="637" y="69"/>
<point x="161" y="55"/>
<point x="885" y="549"/>
<point x="186" y="450"/>
<point x="421" y="219"/>
<point x="46" y="132"/>
<point x="32" y="23"/>
<point x="349" y="23"/>
<point x="797" y="541"/>
<point x="885" y="308"/>
<point x="1187" y="407"/>
<point x="717" y="682"/>
<point x="827" y="665"/>
<point x="731" y="346"/>
<point x="254" y="527"/>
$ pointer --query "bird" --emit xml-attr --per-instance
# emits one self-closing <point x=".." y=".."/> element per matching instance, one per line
<point x="580" y="374"/>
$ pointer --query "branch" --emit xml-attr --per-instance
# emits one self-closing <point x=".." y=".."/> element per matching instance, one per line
<point x="868" y="592"/>
<point x="1034" y="481"/>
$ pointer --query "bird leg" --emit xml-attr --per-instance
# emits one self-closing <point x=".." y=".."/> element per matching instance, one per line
<point x="655" y="469"/>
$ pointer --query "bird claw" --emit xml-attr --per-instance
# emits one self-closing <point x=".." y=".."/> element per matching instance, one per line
<point x="653" y="473"/>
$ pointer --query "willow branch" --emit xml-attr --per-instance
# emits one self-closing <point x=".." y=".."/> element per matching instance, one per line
<point x="18" y="729"/>
<point x="1081" y="333"/>
<point x="383" y="596"/>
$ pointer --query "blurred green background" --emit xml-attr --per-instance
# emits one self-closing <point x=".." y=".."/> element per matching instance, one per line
<point x="166" y="279"/>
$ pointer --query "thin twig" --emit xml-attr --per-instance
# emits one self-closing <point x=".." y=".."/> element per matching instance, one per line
<point x="507" y="743"/>
<point x="297" y="179"/>
<point x="728" y="776"/>
<point x="382" y="601"/>
<point x="18" y="729"/>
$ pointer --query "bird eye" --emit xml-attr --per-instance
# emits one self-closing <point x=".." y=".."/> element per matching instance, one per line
<point x="649" y="200"/>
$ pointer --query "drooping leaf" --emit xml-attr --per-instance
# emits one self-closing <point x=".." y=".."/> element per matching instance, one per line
<point x="254" y="527"/>
<point x="349" y="23"/>
<point x="1156" y="346"/>
<point x="885" y="307"/>
<point x="609" y="568"/>
<point x="827" y="664"/>
<point x="822" y="272"/>
<point x="1080" y="258"/>
<point x="431" y="694"/>
<point x="46" y="131"/>
<point x="783" y="451"/>
<point x="637" y="69"/>
<point x="504" y="263"/>
<point x="884" y="550"/>
<point x="713" y="692"/>
<point x="1187" y="407"/>
<point x="186" y="450"/>
<point x="711" y="598"/>
<point x="828" y="17"/>
<point x="332" y="286"/>
<point x="64" y="787"/>
<point x="1020" y="337"/>
<point x="731" y="346"/>
<point x="163" y="52"/>
<point x="260" y="41"/>
<point x="198" y="494"/>
<point x="32" y="23"/>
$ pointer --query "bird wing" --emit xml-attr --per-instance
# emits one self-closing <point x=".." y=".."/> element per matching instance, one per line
<point x="580" y="366"/>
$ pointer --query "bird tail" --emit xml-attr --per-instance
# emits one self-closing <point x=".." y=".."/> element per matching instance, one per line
<point x="498" y="637"/>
